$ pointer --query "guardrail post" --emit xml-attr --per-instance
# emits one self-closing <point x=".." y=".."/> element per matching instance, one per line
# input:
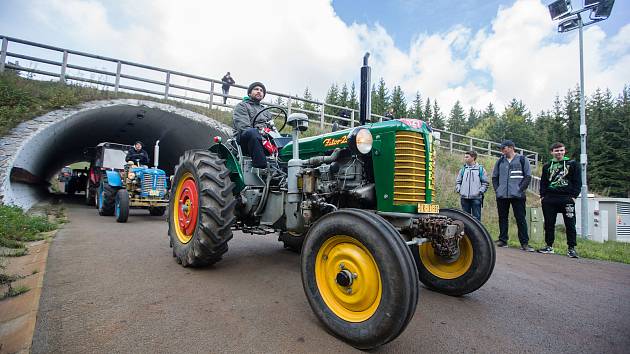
<point x="168" y="84"/>
<point x="489" y="148"/>
<point x="536" y="161"/>
<point x="3" y="54"/>
<point x="64" y="65"/>
<point x="211" y="99"/>
<point x="289" y="105"/>
<point x="352" y="119"/>
<point x="450" y="142"/>
<point x="118" y="69"/>
<point x="471" y="144"/>
<point x="322" y="116"/>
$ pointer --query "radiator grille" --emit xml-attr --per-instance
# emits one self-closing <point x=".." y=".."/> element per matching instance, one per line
<point x="409" y="169"/>
<point x="154" y="182"/>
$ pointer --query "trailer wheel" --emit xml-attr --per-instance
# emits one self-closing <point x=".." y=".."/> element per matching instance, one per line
<point x="122" y="205"/>
<point x="469" y="271"/>
<point x="359" y="277"/>
<point x="291" y="241"/>
<point x="201" y="209"/>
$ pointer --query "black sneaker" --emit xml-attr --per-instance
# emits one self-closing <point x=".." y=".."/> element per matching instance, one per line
<point x="500" y="243"/>
<point x="546" y="250"/>
<point x="572" y="253"/>
<point x="527" y="248"/>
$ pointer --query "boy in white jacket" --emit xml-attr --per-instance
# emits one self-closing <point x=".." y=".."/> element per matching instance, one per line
<point x="472" y="183"/>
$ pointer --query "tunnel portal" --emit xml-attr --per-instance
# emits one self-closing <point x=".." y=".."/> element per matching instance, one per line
<point x="42" y="146"/>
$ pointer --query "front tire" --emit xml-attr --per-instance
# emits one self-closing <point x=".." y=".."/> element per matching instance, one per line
<point x="469" y="271"/>
<point x="106" y="195"/>
<point x="122" y="205"/>
<point x="359" y="277"/>
<point x="157" y="211"/>
<point x="201" y="209"/>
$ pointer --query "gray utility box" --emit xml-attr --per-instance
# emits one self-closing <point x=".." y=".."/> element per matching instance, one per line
<point x="535" y="224"/>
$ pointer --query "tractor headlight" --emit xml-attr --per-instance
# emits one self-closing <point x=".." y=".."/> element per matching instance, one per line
<point x="360" y="141"/>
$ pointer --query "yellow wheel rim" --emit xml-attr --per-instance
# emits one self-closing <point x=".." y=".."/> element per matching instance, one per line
<point x="441" y="269"/>
<point x="359" y="300"/>
<point x="185" y="208"/>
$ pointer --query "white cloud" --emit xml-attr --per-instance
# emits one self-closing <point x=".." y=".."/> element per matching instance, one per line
<point x="290" y="44"/>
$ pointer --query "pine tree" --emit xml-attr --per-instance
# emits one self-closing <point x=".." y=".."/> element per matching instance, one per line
<point x="457" y="120"/>
<point x="380" y="102"/>
<point x="428" y="117"/>
<point x="354" y="102"/>
<point x="438" y="118"/>
<point x="398" y="102"/>
<point x="332" y="97"/>
<point x="343" y="96"/>
<point x="308" y="106"/>
<point x="415" y="111"/>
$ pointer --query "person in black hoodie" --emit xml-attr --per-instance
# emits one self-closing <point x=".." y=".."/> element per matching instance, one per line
<point x="559" y="185"/>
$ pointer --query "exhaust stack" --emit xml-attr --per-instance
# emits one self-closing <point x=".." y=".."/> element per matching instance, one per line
<point x="365" y="106"/>
<point x="156" y="154"/>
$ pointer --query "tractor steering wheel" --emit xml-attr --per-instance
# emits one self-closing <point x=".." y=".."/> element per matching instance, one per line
<point x="284" y="113"/>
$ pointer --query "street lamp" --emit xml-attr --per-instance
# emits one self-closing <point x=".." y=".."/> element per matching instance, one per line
<point x="572" y="19"/>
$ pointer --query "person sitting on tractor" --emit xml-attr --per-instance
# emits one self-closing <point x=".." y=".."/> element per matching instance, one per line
<point x="137" y="154"/>
<point x="247" y="135"/>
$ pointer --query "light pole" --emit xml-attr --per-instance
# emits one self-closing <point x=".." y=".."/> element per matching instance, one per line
<point x="572" y="19"/>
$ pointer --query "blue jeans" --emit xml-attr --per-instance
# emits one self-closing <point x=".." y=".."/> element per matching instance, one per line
<point x="472" y="206"/>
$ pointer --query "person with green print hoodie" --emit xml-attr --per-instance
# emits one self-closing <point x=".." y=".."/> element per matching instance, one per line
<point x="559" y="186"/>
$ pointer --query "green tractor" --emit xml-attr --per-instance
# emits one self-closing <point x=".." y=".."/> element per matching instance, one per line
<point x="357" y="203"/>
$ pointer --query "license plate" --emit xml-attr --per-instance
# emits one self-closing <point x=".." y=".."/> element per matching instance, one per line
<point x="428" y="208"/>
<point x="154" y="193"/>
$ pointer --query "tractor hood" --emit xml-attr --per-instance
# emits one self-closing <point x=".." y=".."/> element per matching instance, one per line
<point x="320" y="144"/>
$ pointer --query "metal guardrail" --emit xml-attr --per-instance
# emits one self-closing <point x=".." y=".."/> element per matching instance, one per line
<point x="133" y="77"/>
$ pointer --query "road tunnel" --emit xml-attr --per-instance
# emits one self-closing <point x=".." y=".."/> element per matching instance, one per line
<point x="46" y="144"/>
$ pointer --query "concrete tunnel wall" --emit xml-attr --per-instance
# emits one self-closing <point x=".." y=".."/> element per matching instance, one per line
<point x="45" y="144"/>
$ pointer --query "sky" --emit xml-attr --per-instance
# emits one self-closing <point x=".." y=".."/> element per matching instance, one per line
<point x="475" y="52"/>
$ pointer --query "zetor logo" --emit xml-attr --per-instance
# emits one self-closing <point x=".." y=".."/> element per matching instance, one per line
<point x="334" y="142"/>
<point x="412" y="123"/>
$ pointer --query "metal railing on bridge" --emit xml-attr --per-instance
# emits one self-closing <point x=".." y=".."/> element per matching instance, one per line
<point x="120" y="75"/>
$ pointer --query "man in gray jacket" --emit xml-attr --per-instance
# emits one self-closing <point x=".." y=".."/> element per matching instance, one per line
<point x="510" y="178"/>
<point x="247" y="135"/>
<point x="472" y="183"/>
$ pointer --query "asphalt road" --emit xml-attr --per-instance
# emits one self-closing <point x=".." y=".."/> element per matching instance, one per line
<point x="115" y="288"/>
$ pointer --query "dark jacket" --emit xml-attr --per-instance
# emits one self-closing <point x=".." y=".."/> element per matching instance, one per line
<point x="561" y="178"/>
<point x="511" y="178"/>
<point x="472" y="182"/>
<point x="227" y="81"/>
<point x="244" y="113"/>
<point x="133" y="155"/>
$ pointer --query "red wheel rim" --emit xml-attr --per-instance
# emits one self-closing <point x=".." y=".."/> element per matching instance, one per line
<point x="187" y="207"/>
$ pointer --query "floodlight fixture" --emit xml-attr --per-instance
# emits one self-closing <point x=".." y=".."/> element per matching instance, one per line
<point x="602" y="10"/>
<point x="559" y="9"/>
<point x="569" y="25"/>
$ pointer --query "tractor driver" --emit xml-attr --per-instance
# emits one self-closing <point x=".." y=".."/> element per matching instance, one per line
<point x="248" y="136"/>
<point x="137" y="154"/>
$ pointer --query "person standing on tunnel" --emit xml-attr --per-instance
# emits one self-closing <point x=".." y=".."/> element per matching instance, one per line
<point x="227" y="81"/>
<point x="247" y="135"/>
<point x="137" y="154"/>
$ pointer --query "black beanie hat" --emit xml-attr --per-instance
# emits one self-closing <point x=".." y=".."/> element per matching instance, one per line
<point x="254" y="84"/>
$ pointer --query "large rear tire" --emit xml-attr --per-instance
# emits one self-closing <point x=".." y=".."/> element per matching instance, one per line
<point x="201" y="209"/>
<point x="359" y="277"/>
<point x="469" y="271"/>
<point x="122" y="205"/>
<point x="89" y="194"/>
<point x="106" y="195"/>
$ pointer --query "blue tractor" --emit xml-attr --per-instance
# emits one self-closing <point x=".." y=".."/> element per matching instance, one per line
<point x="133" y="186"/>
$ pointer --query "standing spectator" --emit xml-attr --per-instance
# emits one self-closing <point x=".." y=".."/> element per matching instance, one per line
<point x="510" y="179"/>
<point x="559" y="185"/>
<point x="227" y="82"/>
<point x="472" y="183"/>
<point x="389" y="115"/>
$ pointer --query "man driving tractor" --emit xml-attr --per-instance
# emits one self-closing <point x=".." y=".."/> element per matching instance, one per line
<point x="137" y="154"/>
<point x="247" y="135"/>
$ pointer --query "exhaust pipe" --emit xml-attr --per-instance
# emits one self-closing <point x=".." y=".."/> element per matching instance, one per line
<point x="365" y="107"/>
<point x="156" y="154"/>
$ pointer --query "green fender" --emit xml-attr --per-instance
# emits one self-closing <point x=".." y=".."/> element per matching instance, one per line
<point x="231" y="162"/>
